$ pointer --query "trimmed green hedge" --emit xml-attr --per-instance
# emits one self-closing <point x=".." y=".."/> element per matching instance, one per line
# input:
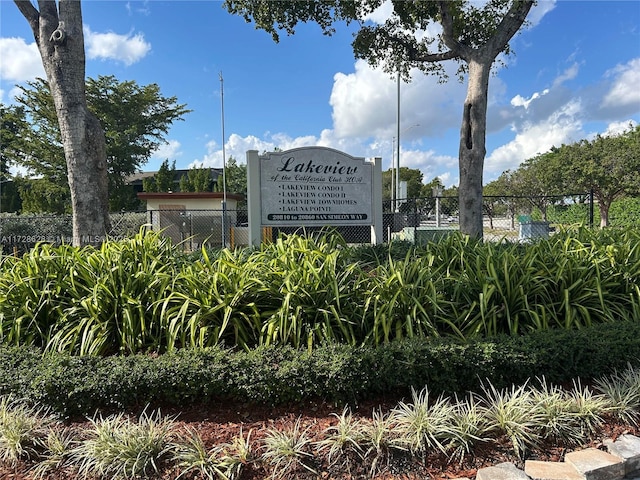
<point x="80" y="385"/>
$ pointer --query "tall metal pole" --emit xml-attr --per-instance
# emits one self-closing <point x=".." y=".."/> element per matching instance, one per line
<point x="224" y="169"/>
<point x="393" y="168"/>
<point x="398" y="145"/>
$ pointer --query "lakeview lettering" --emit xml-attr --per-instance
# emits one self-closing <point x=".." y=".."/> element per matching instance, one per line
<point x="290" y="164"/>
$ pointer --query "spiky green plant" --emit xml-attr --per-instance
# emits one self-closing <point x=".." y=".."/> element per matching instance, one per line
<point x="622" y="389"/>
<point x="57" y="448"/>
<point x="403" y="301"/>
<point x="193" y="456"/>
<point x="236" y="455"/>
<point x="286" y="450"/>
<point x="589" y="407"/>
<point x="425" y="423"/>
<point x="313" y="290"/>
<point x="115" y="296"/>
<point x="343" y="438"/>
<point x="22" y="428"/>
<point x="34" y="291"/>
<point x="559" y="421"/>
<point x="378" y="440"/>
<point x="470" y="423"/>
<point x="513" y="413"/>
<point x="119" y="447"/>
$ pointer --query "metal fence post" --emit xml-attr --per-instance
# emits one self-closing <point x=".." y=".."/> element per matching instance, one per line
<point x="591" y="208"/>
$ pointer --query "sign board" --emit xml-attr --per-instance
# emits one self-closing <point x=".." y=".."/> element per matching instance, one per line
<point x="315" y="186"/>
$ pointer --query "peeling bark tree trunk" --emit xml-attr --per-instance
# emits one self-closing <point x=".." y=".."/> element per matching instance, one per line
<point x="57" y="29"/>
<point x="472" y="147"/>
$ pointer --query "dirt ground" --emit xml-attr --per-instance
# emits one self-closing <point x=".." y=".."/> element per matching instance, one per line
<point x="221" y="424"/>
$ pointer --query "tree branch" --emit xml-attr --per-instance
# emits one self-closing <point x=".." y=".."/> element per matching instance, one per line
<point x="31" y="14"/>
<point x="448" y="37"/>
<point x="436" y="57"/>
<point x="510" y="24"/>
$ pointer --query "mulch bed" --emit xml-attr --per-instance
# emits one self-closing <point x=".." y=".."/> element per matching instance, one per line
<point x="220" y="424"/>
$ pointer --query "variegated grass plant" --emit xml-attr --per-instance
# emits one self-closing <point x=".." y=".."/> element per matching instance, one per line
<point x="622" y="390"/>
<point x="343" y="440"/>
<point x="224" y="462"/>
<point x="285" y="451"/>
<point x="23" y="428"/>
<point x="119" y="447"/>
<point x="57" y="448"/>
<point x="425" y="424"/>
<point x="514" y="414"/>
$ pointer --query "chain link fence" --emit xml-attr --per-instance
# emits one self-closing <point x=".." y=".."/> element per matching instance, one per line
<point x="413" y="219"/>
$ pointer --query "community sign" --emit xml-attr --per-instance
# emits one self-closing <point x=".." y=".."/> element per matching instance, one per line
<point x="313" y="186"/>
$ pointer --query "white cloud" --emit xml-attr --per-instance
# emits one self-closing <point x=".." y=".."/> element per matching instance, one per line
<point x="624" y="91"/>
<point x="169" y="150"/>
<point x="237" y="147"/>
<point x="563" y="126"/>
<point x="380" y="14"/>
<point x="519" y="101"/>
<point x="431" y="165"/>
<point x="365" y="102"/>
<point x="569" y="74"/>
<point x="539" y="10"/>
<point x="127" y="49"/>
<point x="616" y="128"/>
<point x="20" y="61"/>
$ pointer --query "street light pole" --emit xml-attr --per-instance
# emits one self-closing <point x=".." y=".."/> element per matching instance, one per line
<point x="393" y="167"/>
<point x="224" y="169"/>
<point x="396" y="208"/>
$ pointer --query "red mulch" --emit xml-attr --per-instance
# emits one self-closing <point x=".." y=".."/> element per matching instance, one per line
<point x="220" y="424"/>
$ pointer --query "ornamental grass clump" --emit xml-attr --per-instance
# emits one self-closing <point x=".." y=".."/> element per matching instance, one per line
<point x="287" y="450"/>
<point x="225" y="461"/>
<point x="22" y="429"/>
<point x="193" y="456"/>
<point x="425" y="424"/>
<point x="119" y="447"/>
<point x="312" y="291"/>
<point x="559" y="420"/>
<point x="378" y="440"/>
<point x="622" y="390"/>
<point x="57" y="449"/>
<point x="514" y="414"/>
<point x="470" y="423"/>
<point x="589" y="407"/>
<point x="343" y="440"/>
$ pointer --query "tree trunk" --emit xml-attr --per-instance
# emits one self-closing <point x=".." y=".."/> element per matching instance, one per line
<point x="472" y="147"/>
<point x="604" y="212"/>
<point x="57" y="30"/>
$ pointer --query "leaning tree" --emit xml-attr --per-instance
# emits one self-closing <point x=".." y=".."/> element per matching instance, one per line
<point x="472" y="34"/>
<point x="57" y="29"/>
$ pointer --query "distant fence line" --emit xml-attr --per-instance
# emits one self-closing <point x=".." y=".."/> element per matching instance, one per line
<point x="402" y="219"/>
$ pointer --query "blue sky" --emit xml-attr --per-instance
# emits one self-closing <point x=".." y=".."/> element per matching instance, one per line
<point x="575" y="73"/>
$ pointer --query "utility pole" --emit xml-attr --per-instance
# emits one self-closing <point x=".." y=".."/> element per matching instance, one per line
<point x="224" y="168"/>
<point x="397" y="203"/>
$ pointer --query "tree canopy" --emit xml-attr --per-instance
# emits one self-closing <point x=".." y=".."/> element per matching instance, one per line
<point x="163" y="180"/>
<point x="608" y="166"/>
<point x="135" y="118"/>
